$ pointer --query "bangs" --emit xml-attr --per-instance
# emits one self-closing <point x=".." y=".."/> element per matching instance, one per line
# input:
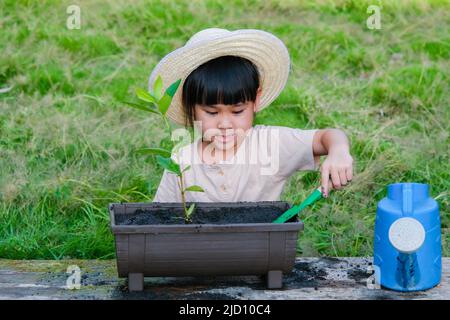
<point x="225" y="80"/>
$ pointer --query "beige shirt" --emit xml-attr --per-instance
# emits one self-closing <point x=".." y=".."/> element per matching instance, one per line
<point x="258" y="171"/>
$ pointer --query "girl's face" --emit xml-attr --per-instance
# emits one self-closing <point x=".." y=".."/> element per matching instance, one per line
<point x="226" y="125"/>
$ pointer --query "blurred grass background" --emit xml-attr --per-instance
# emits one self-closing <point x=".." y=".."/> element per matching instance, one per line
<point x="66" y="143"/>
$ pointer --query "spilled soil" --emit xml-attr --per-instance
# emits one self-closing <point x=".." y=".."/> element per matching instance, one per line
<point x="222" y="214"/>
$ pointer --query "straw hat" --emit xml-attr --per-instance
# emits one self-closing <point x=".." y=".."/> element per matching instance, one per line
<point x="266" y="51"/>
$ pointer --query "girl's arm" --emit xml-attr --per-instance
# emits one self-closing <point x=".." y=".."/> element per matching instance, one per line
<point x="338" y="166"/>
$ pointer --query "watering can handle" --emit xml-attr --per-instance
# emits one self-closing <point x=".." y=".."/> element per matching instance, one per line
<point x="407" y="203"/>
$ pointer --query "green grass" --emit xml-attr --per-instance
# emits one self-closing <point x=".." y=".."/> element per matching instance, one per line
<point x="66" y="143"/>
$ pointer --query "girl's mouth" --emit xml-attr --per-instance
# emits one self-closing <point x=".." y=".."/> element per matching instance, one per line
<point x="225" y="138"/>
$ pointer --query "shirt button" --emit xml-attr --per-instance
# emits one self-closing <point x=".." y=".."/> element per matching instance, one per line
<point x="223" y="187"/>
<point x="221" y="172"/>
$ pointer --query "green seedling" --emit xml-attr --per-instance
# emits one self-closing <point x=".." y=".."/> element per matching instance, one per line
<point x="158" y="102"/>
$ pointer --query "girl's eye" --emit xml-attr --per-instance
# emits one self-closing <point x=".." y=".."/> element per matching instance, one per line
<point x="237" y="112"/>
<point x="211" y="113"/>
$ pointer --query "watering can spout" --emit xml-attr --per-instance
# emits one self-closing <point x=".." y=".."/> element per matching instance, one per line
<point x="407" y="235"/>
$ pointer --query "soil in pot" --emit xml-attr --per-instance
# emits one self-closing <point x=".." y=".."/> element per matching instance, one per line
<point x="222" y="214"/>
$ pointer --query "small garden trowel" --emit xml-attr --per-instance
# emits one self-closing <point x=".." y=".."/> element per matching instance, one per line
<point x="313" y="197"/>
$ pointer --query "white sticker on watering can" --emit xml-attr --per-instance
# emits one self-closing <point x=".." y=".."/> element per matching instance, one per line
<point x="74" y="280"/>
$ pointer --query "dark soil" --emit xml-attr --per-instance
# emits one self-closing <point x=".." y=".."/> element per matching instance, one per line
<point x="222" y="214"/>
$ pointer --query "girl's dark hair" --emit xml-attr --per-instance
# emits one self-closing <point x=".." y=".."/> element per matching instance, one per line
<point x="223" y="80"/>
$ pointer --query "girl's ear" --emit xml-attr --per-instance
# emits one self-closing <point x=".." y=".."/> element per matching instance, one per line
<point x="258" y="98"/>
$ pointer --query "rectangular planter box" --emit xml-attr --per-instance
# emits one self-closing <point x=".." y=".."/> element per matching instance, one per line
<point x="203" y="249"/>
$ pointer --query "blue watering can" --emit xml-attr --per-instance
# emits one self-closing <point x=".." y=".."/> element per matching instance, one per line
<point x="407" y="244"/>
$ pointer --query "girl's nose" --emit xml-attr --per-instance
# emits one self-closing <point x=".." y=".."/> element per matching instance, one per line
<point x="225" y="123"/>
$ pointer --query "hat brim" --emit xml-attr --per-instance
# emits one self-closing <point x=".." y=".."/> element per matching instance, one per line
<point x="266" y="51"/>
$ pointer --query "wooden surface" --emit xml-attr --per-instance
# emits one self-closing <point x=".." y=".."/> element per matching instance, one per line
<point x="311" y="278"/>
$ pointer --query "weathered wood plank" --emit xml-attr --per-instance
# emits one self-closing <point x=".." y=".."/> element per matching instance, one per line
<point x="312" y="278"/>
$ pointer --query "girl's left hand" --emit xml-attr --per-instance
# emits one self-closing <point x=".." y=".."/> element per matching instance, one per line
<point x="336" y="170"/>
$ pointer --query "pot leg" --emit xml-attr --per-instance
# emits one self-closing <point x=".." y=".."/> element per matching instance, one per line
<point x="135" y="281"/>
<point x="275" y="279"/>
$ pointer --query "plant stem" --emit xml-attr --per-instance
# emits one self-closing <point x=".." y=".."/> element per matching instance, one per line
<point x="183" y="198"/>
<point x="167" y="124"/>
<point x="180" y="182"/>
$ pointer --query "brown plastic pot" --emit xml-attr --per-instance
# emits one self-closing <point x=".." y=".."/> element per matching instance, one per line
<point x="203" y="249"/>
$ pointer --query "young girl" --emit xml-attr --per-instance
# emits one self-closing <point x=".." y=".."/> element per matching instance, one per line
<point x="226" y="77"/>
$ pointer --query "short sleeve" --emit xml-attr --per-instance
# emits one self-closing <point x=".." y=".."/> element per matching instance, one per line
<point x="168" y="190"/>
<point x="295" y="150"/>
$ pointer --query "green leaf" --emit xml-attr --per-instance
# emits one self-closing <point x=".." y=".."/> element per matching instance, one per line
<point x="157" y="88"/>
<point x="169" y="164"/>
<point x="195" y="189"/>
<point x="164" y="103"/>
<point x="140" y="107"/>
<point x="190" y="210"/>
<point x="156" y="151"/>
<point x="145" y="96"/>
<point x="187" y="168"/>
<point x="173" y="88"/>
